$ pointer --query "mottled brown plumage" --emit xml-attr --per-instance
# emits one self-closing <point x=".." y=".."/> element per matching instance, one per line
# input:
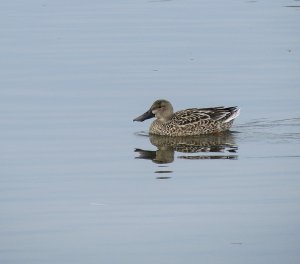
<point x="189" y="122"/>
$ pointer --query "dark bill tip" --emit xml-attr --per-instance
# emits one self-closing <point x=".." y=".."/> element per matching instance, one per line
<point x="144" y="116"/>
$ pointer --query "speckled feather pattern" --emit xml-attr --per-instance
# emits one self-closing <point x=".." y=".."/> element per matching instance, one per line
<point x="195" y="121"/>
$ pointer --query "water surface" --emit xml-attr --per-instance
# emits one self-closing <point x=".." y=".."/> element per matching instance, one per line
<point x="81" y="183"/>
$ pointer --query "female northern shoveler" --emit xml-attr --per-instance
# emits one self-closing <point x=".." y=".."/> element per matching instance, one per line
<point x="189" y="122"/>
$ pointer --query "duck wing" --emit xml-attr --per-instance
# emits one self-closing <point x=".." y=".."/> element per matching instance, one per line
<point x="195" y="115"/>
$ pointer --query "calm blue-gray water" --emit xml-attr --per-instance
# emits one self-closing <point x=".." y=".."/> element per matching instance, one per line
<point x="81" y="183"/>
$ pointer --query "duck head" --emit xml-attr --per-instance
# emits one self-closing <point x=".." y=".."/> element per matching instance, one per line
<point x="161" y="109"/>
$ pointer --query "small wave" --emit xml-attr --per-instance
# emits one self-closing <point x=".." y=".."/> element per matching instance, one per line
<point x="274" y="131"/>
<point x="142" y="134"/>
<point x="266" y="123"/>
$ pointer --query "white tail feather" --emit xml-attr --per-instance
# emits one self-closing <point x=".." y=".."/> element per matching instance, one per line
<point x="233" y="116"/>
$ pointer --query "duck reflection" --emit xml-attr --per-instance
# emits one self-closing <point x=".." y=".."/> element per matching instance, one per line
<point x="210" y="147"/>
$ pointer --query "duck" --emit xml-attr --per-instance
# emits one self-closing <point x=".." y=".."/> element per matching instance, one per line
<point x="188" y="122"/>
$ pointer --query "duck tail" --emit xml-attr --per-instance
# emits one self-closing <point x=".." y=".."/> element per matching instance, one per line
<point x="234" y="113"/>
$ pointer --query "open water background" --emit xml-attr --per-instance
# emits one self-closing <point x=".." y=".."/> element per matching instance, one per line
<point x="74" y="188"/>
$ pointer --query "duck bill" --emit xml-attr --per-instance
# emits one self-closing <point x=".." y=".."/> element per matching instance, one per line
<point x="144" y="116"/>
